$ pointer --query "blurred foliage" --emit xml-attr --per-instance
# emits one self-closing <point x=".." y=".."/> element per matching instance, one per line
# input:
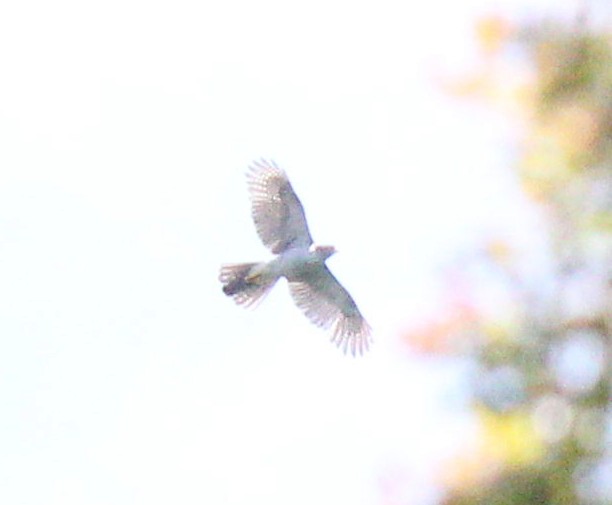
<point x="541" y="348"/>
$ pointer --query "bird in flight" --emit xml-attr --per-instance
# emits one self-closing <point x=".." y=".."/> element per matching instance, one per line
<point x="281" y="224"/>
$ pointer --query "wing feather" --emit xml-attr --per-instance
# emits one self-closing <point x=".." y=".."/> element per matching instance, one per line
<point x="328" y="305"/>
<point x="277" y="211"/>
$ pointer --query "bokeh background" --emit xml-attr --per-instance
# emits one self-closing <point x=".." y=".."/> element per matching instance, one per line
<point x="457" y="154"/>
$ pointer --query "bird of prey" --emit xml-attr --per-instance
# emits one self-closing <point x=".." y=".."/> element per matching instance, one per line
<point x="281" y="224"/>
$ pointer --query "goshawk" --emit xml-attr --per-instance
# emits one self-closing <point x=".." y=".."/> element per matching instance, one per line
<point x="281" y="224"/>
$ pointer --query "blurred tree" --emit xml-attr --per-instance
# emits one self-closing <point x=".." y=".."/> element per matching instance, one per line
<point x="543" y="348"/>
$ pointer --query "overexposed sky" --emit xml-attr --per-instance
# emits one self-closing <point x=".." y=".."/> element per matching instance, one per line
<point x="126" y="377"/>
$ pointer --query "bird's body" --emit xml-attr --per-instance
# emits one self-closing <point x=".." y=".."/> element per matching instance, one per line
<point x="297" y="264"/>
<point x="280" y="221"/>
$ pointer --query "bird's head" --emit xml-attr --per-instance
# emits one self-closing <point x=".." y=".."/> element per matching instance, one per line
<point x="323" y="251"/>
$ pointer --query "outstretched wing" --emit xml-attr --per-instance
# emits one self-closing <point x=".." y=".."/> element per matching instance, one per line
<point x="327" y="304"/>
<point x="277" y="212"/>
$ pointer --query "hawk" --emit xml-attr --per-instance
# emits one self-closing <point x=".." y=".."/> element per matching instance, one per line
<point x="281" y="224"/>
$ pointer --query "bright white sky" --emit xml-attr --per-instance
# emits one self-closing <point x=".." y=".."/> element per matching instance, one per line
<point x="126" y="377"/>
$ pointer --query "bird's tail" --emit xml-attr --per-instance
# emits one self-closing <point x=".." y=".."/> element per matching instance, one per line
<point x="246" y="283"/>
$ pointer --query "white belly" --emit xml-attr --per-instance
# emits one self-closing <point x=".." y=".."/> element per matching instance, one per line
<point x="295" y="264"/>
